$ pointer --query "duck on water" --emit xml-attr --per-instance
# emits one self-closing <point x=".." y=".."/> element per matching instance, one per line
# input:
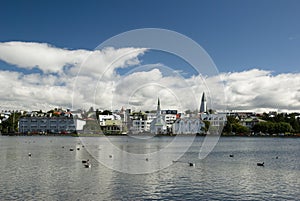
<point x="87" y="165"/>
<point x="261" y="164"/>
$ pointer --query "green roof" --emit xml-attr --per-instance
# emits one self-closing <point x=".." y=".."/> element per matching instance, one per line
<point x="113" y="122"/>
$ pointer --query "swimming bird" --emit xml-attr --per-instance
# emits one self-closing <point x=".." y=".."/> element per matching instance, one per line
<point x="78" y="148"/>
<point x="71" y="149"/>
<point x="29" y="154"/>
<point x="261" y="164"/>
<point x="231" y="155"/>
<point x="85" y="161"/>
<point x="192" y="164"/>
<point x="87" y="165"/>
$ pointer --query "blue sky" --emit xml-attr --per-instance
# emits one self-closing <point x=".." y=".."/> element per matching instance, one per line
<point x="238" y="35"/>
<point x="255" y="45"/>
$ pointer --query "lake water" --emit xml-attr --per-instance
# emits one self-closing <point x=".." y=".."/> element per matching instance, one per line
<point x="53" y="172"/>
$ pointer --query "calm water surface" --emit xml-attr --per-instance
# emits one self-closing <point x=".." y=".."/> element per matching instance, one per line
<point x="55" y="173"/>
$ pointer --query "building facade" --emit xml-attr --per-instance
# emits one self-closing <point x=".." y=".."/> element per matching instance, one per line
<point x="140" y="122"/>
<point x="158" y="125"/>
<point x="169" y="117"/>
<point x="48" y="125"/>
<point x="188" y="126"/>
<point x="217" y="122"/>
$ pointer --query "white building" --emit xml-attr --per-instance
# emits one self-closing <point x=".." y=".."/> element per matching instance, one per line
<point x="140" y="126"/>
<point x="169" y="117"/>
<point x="217" y="122"/>
<point x="141" y="123"/>
<point x="158" y="125"/>
<point x="79" y="124"/>
<point x="214" y="119"/>
<point x="188" y="126"/>
<point x="103" y="118"/>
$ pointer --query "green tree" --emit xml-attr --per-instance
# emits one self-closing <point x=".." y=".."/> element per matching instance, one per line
<point x="294" y="122"/>
<point x="207" y="124"/>
<point x="10" y="125"/>
<point x="238" y="128"/>
<point x="227" y="127"/>
<point x="283" y="127"/>
<point x="261" y="127"/>
<point x="231" y="120"/>
<point x="273" y="127"/>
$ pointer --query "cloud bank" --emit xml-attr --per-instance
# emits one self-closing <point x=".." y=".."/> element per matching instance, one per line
<point x="84" y="78"/>
<point x="259" y="89"/>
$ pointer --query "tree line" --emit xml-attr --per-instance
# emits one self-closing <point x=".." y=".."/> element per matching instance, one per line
<point x="270" y="123"/>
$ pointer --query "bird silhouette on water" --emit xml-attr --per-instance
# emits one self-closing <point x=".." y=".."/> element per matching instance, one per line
<point x="261" y="164"/>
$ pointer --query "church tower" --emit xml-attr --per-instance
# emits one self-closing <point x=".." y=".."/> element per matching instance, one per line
<point x="158" y="108"/>
<point x="158" y="125"/>
<point x="203" y="106"/>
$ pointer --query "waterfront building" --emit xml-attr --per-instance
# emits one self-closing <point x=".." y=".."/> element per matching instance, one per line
<point x="169" y="117"/>
<point x="46" y="124"/>
<point x="111" y="122"/>
<point x="56" y="121"/>
<point x="112" y="127"/>
<point x="140" y="122"/>
<point x="137" y="122"/>
<point x="158" y="125"/>
<point x="188" y="126"/>
<point x="216" y="120"/>
<point x="250" y="122"/>
<point x="102" y="118"/>
<point x="150" y="117"/>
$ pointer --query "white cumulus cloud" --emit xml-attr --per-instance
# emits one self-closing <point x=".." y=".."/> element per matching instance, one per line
<point x="50" y="59"/>
<point x="259" y="89"/>
<point x="84" y="78"/>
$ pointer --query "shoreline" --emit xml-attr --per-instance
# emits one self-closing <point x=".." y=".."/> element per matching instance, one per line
<point x="148" y="135"/>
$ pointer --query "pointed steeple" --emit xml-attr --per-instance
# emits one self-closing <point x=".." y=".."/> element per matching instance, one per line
<point x="158" y="108"/>
<point x="203" y="106"/>
<point x="203" y="97"/>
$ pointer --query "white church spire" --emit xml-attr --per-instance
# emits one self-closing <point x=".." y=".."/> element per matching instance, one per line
<point x="158" y="108"/>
